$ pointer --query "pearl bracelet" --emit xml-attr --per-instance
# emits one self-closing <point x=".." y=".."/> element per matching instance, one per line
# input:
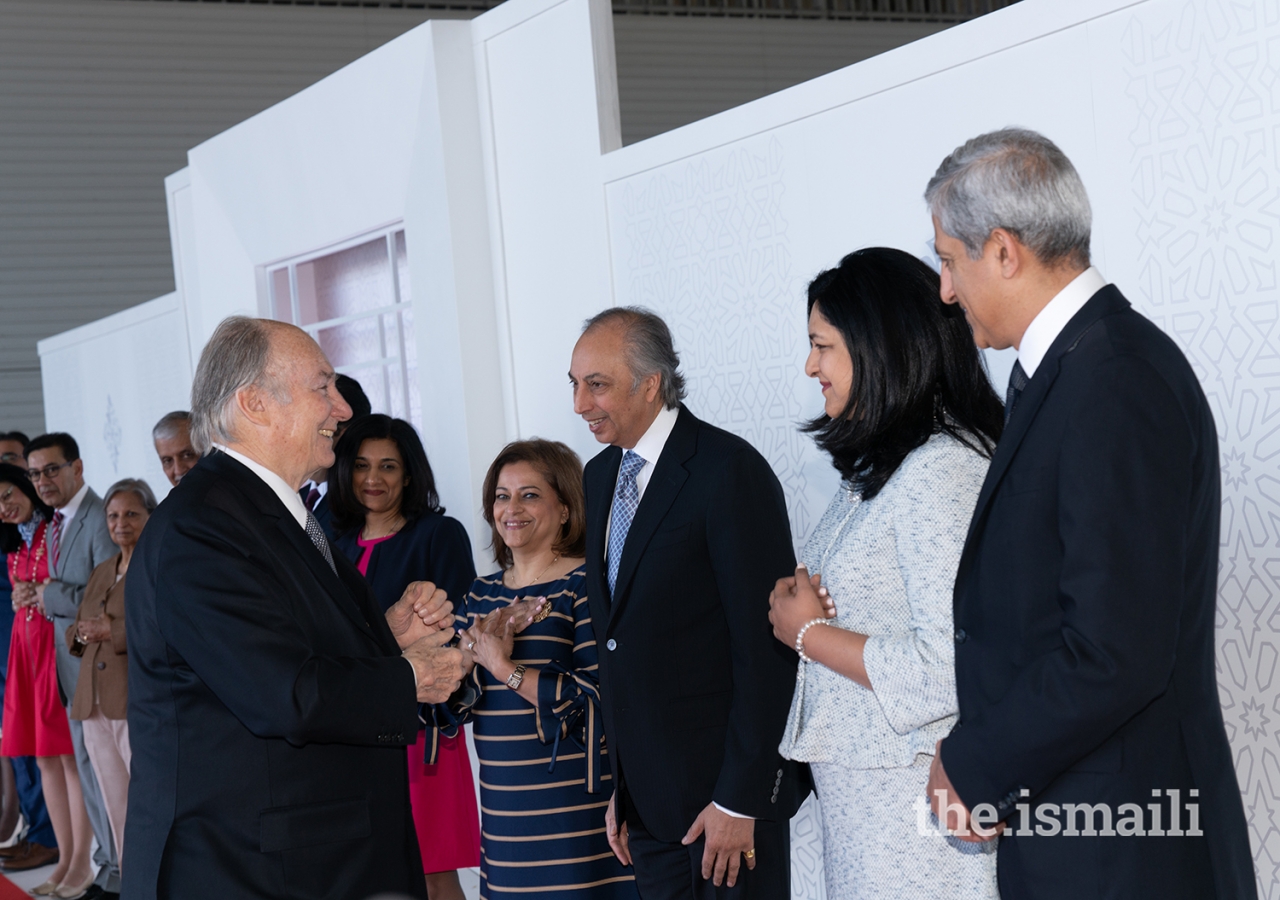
<point x="820" y="620"/>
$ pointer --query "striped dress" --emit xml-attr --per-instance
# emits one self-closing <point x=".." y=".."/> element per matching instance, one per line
<point x="544" y="773"/>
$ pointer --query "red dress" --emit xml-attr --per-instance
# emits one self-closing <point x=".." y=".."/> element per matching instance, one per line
<point x="442" y="795"/>
<point x="35" y="722"/>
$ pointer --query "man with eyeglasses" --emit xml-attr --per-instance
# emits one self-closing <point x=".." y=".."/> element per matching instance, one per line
<point x="13" y="448"/>
<point x="78" y="543"/>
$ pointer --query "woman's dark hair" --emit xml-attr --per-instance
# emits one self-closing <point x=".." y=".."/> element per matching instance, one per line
<point x="420" y="495"/>
<point x="10" y="538"/>
<point x="562" y="469"/>
<point x="916" y="369"/>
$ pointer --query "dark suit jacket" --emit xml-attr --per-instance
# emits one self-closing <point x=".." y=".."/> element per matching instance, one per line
<point x="269" y="708"/>
<point x="433" y="547"/>
<point x="696" y="689"/>
<point x="1084" y="611"/>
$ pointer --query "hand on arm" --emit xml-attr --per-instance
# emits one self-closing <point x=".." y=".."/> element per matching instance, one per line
<point x="729" y="839"/>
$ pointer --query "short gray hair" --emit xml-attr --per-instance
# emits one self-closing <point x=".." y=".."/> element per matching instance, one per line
<point x="649" y="349"/>
<point x="132" y="486"/>
<point x="170" y="424"/>
<point x="237" y="356"/>
<point x="1017" y="180"/>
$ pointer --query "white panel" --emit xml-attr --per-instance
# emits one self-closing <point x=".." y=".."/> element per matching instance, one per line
<point x="108" y="383"/>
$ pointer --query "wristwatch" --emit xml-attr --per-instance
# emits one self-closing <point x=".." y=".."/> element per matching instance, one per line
<point x="515" y="678"/>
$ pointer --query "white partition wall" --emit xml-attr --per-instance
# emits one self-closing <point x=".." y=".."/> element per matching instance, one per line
<point x="494" y="144"/>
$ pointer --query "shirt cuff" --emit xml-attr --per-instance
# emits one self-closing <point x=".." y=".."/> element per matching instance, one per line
<point x="729" y="812"/>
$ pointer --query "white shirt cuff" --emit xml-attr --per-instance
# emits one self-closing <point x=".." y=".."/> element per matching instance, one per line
<point x="729" y="812"/>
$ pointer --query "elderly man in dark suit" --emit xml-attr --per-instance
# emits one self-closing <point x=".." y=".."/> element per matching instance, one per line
<point x="1090" y="730"/>
<point x="78" y="543"/>
<point x="270" y="701"/>
<point x="687" y="533"/>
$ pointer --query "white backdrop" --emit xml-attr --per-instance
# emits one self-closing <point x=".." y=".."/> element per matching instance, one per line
<point x="496" y="142"/>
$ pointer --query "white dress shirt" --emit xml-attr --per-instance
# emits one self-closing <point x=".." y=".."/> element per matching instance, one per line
<point x="650" y="447"/>
<point x="69" y="511"/>
<point x="321" y="486"/>
<point x="288" y="496"/>
<point x="1048" y="324"/>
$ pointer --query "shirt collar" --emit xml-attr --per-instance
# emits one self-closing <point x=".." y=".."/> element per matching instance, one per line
<point x="321" y="486"/>
<point x="69" y="511"/>
<point x="650" y="445"/>
<point x="288" y="496"/>
<point x="1048" y="324"/>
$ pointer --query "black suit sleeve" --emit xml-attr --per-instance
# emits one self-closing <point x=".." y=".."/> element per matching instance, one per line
<point x="234" y="621"/>
<point x="749" y="540"/>
<point x="1123" y="489"/>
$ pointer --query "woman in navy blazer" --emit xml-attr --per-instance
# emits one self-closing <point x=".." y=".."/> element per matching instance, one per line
<point x="389" y="522"/>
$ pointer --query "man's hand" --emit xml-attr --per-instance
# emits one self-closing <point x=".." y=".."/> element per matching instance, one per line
<point x="617" y="832"/>
<point x="950" y="809"/>
<point x="438" y="669"/>
<point x="796" y="600"/>
<point x="422" y="609"/>
<point x="728" y="840"/>
<point x="94" y="629"/>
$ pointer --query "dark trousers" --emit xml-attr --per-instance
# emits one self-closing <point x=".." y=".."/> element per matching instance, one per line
<point x="674" y="872"/>
<point x="26" y="776"/>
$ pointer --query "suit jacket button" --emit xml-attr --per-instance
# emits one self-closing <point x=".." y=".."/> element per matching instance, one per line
<point x="773" y="799"/>
<point x="102" y="665"/>
<point x="961" y="636"/>
<point x="611" y="644"/>
<point x="779" y="774"/>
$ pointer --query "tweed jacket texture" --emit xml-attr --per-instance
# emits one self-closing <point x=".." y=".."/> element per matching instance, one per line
<point x="890" y="564"/>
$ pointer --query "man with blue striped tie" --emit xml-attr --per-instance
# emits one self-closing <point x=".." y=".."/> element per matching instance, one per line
<point x="687" y="533"/>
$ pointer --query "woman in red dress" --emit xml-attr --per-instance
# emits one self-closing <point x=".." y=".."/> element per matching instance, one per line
<point x="389" y="522"/>
<point x="35" y="722"/>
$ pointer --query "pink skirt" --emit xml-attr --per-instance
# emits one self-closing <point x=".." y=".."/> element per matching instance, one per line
<point x="443" y="797"/>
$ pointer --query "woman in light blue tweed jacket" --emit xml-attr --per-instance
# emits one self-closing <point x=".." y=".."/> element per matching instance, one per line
<point x="910" y="421"/>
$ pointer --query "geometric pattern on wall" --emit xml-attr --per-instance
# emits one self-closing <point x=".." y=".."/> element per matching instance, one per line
<point x="709" y="252"/>
<point x="1204" y="81"/>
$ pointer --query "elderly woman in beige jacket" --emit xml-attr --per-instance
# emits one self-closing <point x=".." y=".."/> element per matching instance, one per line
<point x="910" y="421"/>
<point x="97" y="636"/>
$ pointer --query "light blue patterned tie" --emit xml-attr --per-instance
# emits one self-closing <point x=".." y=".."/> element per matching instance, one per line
<point x="626" y="498"/>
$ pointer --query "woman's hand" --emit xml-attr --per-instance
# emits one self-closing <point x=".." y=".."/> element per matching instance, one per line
<point x="24" y="595"/>
<point x="491" y="640"/>
<point x="797" y="600"/>
<point x="94" y="629"/>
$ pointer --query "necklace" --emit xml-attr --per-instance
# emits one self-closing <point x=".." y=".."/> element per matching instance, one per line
<point x="546" y="609"/>
<point x="34" y="553"/>
<point x="395" y="529"/>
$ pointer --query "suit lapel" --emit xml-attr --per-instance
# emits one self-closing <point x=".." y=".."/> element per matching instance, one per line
<point x="669" y="476"/>
<point x="1105" y="302"/>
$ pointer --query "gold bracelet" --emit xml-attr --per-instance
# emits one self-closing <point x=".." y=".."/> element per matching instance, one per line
<point x="820" y="620"/>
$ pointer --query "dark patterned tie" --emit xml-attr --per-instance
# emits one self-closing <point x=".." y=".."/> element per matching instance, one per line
<point x="55" y="541"/>
<point x="312" y="498"/>
<point x="316" y="533"/>
<point x="1017" y="383"/>
<point x="626" y="498"/>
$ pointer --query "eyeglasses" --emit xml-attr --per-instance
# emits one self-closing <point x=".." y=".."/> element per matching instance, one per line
<point x="50" y="471"/>
<point x="10" y="457"/>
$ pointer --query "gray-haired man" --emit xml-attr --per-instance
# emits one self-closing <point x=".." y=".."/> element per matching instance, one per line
<point x="172" y="439"/>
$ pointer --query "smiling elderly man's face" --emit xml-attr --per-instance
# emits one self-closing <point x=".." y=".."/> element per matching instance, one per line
<point x="302" y="422"/>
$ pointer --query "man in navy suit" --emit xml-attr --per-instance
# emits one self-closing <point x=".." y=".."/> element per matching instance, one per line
<point x="687" y="533"/>
<point x="1090" y="733"/>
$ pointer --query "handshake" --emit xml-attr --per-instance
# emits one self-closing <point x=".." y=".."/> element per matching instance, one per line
<point x="422" y="622"/>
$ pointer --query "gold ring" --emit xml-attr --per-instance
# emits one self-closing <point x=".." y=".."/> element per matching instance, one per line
<point x="750" y="854"/>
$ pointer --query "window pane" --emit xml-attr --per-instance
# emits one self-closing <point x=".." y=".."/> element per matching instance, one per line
<point x="402" y="267"/>
<point x="345" y="283"/>
<point x="351" y="344"/>
<point x="281" y="303"/>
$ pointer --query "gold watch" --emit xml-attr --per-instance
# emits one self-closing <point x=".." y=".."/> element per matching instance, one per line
<point x="515" y="678"/>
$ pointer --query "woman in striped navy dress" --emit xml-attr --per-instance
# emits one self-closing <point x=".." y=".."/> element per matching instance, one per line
<point x="533" y="697"/>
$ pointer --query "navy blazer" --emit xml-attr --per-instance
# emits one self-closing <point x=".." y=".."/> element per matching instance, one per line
<point x="1084" y="614"/>
<point x="433" y="547"/>
<point x="269" y="709"/>
<point x="695" y="688"/>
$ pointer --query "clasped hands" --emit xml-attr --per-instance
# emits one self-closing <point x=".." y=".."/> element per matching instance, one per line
<point x="94" y="629"/>
<point x="27" y="594"/>
<point x="422" y="623"/>
<point x="795" y="600"/>
<point x="491" y="639"/>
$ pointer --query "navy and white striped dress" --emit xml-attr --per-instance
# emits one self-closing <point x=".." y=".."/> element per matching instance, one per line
<point x="544" y="772"/>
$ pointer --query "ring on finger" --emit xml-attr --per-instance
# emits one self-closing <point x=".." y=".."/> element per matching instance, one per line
<point x="750" y="854"/>
<point x="470" y="645"/>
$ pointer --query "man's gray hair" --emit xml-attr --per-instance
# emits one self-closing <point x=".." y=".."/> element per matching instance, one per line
<point x="170" y="424"/>
<point x="237" y="356"/>
<point x="1017" y="180"/>
<point x="649" y="349"/>
<point x="132" y="486"/>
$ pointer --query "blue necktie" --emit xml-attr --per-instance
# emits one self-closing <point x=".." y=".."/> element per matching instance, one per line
<point x="626" y="498"/>
<point x="1017" y="384"/>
